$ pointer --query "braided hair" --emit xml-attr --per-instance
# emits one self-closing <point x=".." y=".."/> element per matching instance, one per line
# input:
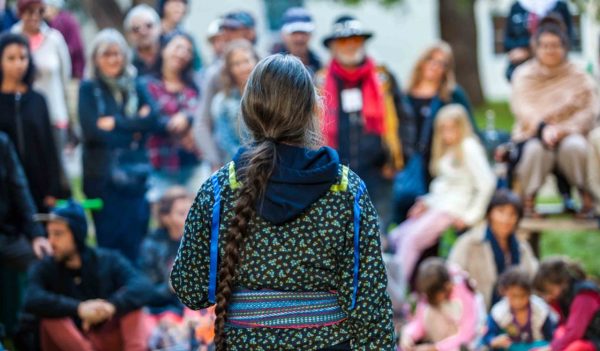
<point x="279" y="105"/>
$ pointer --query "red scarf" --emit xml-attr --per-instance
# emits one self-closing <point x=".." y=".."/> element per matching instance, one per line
<point x="373" y="102"/>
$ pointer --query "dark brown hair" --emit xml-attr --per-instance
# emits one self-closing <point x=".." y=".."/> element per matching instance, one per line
<point x="227" y="78"/>
<point x="279" y="105"/>
<point x="514" y="277"/>
<point x="557" y="271"/>
<point x="166" y="202"/>
<point x="432" y="278"/>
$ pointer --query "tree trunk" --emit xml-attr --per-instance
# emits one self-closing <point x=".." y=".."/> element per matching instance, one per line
<point x="106" y="13"/>
<point x="458" y="28"/>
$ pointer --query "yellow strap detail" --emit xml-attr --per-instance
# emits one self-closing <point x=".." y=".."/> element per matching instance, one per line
<point x="233" y="182"/>
<point x="343" y="184"/>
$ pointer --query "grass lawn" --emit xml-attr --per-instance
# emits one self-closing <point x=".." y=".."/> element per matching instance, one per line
<point x="583" y="246"/>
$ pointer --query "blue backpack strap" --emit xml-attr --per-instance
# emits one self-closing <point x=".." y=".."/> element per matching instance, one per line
<point x="357" y="211"/>
<point x="214" y="240"/>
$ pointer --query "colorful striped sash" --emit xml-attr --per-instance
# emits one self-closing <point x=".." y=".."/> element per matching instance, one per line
<point x="283" y="309"/>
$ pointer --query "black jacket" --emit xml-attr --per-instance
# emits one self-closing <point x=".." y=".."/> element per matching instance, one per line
<point x="95" y="101"/>
<point x="16" y="205"/>
<point x="25" y="119"/>
<point x="53" y="291"/>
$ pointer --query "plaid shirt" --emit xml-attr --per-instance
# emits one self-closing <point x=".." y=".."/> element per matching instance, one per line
<point x="166" y="152"/>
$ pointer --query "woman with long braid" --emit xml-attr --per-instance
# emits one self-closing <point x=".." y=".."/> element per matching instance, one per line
<point x="284" y="239"/>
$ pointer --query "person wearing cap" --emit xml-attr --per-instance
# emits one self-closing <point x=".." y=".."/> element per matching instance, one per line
<point x="143" y="27"/>
<point x="363" y="109"/>
<point x="296" y="33"/>
<point x="172" y="13"/>
<point x="85" y="298"/>
<point x="63" y="21"/>
<point x="235" y="25"/>
<point x="489" y="249"/>
<point x="215" y="37"/>
<point x="52" y="61"/>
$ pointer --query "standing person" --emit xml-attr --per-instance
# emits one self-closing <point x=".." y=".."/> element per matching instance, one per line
<point x="296" y="33"/>
<point x="172" y="13"/>
<point x="555" y="105"/>
<point x="235" y="25"/>
<point x="523" y="21"/>
<point x="362" y="110"/>
<point x="174" y="155"/>
<point x="563" y="284"/>
<point x="142" y="27"/>
<point x="216" y="39"/>
<point x="63" y="21"/>
<point x="7" y="16"/>
<point x="240" y="59"/>
<point x="489" y="249"/>
<point x="116" y="112"/>
<point x="22" y="240"/>
<point x="286" y="232"/>
<point x="87" y="299"/>
<point x="432" y="85"/>
<point x="462" y="187"/>
<point x="52" y="61"/>
<point x="24" y="117"/>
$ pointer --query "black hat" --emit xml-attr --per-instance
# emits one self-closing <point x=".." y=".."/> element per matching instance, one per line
<point x="347" y="27"/>
<point x="238" y="20"/>
<point x="73" y="214"/>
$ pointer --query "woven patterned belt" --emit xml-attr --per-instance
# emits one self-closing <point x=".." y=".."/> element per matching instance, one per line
<point x="283" y="309"/>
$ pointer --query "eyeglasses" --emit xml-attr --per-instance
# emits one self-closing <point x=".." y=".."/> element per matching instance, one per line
<point x="438" y="63"/>
<point x="550" y="46"/>
<point x="137" y="29"/>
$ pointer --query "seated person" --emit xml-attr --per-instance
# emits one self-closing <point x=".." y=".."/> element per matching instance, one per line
<point x="555" y="104"/>
<point x="563" y="284"/>
<point x="462" y="187"/>
<point x="87" y="299"/>
<point x="487" y="250"/>
<point x="170" y="318"/>
<point x="521" y="320"/>
<point x="593" y="167"/>
<point x="449" y="313"/>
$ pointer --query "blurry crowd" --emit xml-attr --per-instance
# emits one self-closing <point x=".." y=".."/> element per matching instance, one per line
<point x="154" y="119"/>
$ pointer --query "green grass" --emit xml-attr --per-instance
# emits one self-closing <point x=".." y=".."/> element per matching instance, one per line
<point x="504" y="119"/>
<point x="582" y="246"/>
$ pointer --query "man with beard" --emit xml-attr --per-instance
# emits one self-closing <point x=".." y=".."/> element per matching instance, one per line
<point x="296" y="33"/>
<point x="363" y="111"/>
<point x="86" y="299"/>
<point x="143" y="27"/>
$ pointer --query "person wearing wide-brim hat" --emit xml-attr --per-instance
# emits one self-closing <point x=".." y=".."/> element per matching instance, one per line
<point x="362" y="110"/>
<point x="347" y="27"/>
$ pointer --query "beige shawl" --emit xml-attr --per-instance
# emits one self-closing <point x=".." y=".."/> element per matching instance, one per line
<point x="563" y="96"/>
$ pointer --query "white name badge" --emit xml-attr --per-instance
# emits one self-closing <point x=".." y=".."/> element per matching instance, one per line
<point x="352" y="100"/>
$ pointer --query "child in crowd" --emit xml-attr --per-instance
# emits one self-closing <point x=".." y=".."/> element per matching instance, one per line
<point x="458" y="196"/>
<point x="174" y="324"/>
<point x="563" y="284"/>
<point x="520" y="321"/>
<point x="448" y="316"/>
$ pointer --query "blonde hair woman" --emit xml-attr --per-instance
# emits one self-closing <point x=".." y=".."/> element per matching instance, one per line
<point x="458" y="195"/>
<point x="432" y="85"/>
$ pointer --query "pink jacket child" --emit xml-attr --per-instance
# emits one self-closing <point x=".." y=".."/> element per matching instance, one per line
<point x="450" y="314"/>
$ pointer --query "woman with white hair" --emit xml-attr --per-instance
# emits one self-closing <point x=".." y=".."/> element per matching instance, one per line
<point x="116" y="113"/>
